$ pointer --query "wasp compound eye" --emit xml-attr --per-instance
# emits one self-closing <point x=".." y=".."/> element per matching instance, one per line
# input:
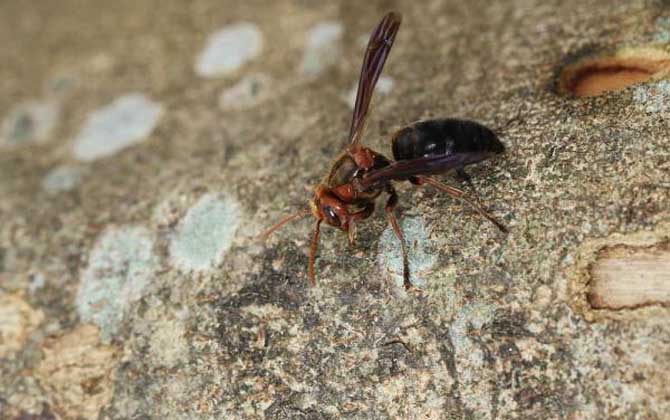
<point x="332" y="216"/>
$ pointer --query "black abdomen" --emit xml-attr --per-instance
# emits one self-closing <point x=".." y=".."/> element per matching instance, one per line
<point x="444" y="137"/>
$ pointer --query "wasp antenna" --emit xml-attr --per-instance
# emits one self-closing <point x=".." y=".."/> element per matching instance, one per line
<point x="312" y="253"/>
<point x="265" y="235"/>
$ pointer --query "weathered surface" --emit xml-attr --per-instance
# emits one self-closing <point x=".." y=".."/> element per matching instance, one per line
<point x="151" y="237"/>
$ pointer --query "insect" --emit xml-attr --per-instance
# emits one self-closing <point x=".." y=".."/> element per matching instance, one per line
<point x="360" y="175"/>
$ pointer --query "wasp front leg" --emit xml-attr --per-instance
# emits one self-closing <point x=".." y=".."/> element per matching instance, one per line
<point x="355" y="217"/>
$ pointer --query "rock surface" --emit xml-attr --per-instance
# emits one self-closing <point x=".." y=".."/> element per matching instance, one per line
<point x="133" y="286"/>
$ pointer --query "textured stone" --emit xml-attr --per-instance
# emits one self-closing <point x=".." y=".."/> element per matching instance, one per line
<point x="17" y="321"/>
<point x="77" y="372"/>
<point x="156" y="300"/>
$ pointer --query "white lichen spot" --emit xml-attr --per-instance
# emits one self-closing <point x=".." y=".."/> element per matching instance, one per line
<point x="228" y="49"/>
<point x="383" y="88"/>
<point x="205" y="233"/>
<point x="29" y="122"/>
<point x="476" y="387"/>
<point x="421" y="261"/>
<point x="247" y="93"/>
<point x="125" y="122"/>
<point x="653" y="98"/>
<point x="120" y="266"/>
<point x="323" y="48"/>
<point x="62" y="179"/>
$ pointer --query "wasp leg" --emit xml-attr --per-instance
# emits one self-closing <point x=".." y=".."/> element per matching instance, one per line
<point x="465" y="177"/>
<point x="460" y="194"/>
<point x="355" y="217"/>
<point x="390" y="206"/>
<point x="312" y="252"/>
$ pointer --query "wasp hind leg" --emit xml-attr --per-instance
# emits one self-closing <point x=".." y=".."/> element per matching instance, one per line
<point x="459" y="194"/>
<point x="465" y="177"/>
<point x="391" y="203"/>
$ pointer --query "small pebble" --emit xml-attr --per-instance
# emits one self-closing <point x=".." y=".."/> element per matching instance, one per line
<point x="125" y="122"/>
<point x="228" y="49"/>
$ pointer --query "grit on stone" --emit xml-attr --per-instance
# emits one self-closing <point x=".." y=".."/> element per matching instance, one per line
<point x="653" y="98"/>
<point x="228" y="49"/>
<point x="128" y="120"/>
<point x="205" y="233"/>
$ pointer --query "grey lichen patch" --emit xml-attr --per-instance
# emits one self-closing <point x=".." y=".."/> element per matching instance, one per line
<point x="77" y="372"/>
<point x="653" y="98"/>
<point x="17" y="321"/>
<point x="128" y="120"/>
<point x="473" y="373"/>
<point x="421" y="259"/>
<point x="205" y="233"/>
<point x="120" y="266"/>
<point x="323" y="48"/>
<point x="30" y="122"/>
<point x="228" y="49"/>
<point x="663" y="30"/>
<point x="252" y="90"/>
<point x="62" y="178"/>
<point x="636" y="289"/>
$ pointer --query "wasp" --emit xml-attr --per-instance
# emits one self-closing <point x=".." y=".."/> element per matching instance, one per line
<point x="360" y="175"/>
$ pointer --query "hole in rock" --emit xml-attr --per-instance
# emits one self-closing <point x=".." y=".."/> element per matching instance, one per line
<point x="594" y="76"/>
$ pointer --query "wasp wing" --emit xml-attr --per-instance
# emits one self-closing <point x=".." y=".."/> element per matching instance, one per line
<point x="430" y="165"/>
<point x="376" y="53"/>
